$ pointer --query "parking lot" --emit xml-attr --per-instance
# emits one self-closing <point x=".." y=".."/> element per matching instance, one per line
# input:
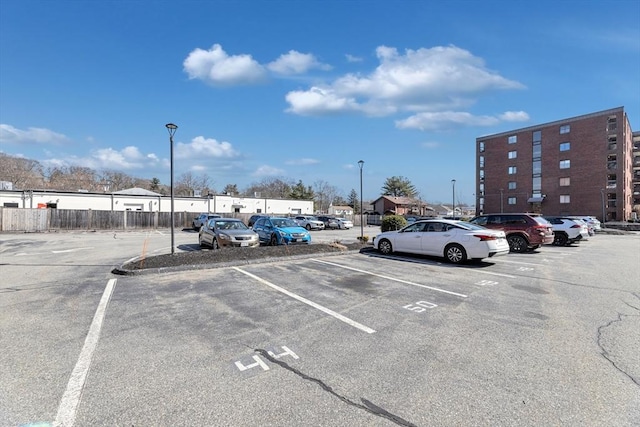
<point x="549" y="337"/>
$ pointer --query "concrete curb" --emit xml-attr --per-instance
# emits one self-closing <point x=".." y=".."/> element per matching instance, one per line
<point x="122" y="271"/>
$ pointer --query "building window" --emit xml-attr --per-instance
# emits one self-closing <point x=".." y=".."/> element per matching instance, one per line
<point x="565" y="129"/>
<point x="481" y="147"/>
<point x="512" y="185"/>
<point x="537" y="151"/>
<point x="537" y="136"/>
<point x="481" y="161"/>
<point x="511" y="200"/>
<point x="537" y="167"/>
<point x="612" y="124"/>
<point x="512" y="170"/>
<point x="565" y="182"/>
<point x="565" y="146"/>
<point x="536" y="184"/>
<point x="513" y="139"/>
<point x="565" y="164"/>
<point x="481" y="174"/>
<point x="482" y="188"/>
<point x="565" y="198"/>
<point x="513" y="154"/>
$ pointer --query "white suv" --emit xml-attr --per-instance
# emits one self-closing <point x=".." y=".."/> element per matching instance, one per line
<point x="567" y="230"/>
<point x="309" y="222"/>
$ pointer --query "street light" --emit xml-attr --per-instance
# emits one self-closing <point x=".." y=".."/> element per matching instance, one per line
<point x="453" y="204"/>
<point x="360" y="165"/>
<point x="172" y="130"/>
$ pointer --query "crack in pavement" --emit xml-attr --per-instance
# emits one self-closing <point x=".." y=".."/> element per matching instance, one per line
<point x="604" y="352"/>
<point x="366" y="404"/>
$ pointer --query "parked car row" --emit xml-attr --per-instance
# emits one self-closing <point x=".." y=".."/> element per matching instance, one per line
<point x="484" y="236"/>
<point x="220" y="232"/>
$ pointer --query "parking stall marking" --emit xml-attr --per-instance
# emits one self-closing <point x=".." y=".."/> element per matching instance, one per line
<point x="309" y="302"/>
<point x="438" y="263"/>
<point x="71" y="398"/>
<point x="391" y="278"/>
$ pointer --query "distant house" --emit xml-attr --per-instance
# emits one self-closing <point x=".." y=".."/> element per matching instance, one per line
<point x="340" y="210"/>
<point x="384" y="205"/>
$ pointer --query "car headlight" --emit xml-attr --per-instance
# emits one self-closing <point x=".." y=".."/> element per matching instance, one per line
<point x="223" y="236"/>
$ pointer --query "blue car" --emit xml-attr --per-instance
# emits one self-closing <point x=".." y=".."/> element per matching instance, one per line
<point x="280" y="231"/>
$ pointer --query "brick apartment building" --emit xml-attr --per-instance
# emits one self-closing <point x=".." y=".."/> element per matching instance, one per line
<point x="585" y="165"/>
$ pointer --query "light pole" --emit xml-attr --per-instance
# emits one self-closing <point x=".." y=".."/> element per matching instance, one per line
<point x="501" y="200"/>
<point x="172" y="130"/>
<point x="604" y="218"/>
<point x="360" y="165"/>
<point x="453" y="204"/>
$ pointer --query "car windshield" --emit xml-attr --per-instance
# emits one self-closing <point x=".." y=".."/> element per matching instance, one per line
<point x="284" y="222"/>
<point x="542" y="221"/>
<point x="469" y="226"/>
<point x="230" y="225"/>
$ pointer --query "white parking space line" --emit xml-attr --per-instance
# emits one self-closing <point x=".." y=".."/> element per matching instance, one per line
<point x="518" y="262"/>
<point x="64" y="251"/>
<point x="391" y="278"/>
<point x="71" y="398"/>
<point x="308" y="302"/>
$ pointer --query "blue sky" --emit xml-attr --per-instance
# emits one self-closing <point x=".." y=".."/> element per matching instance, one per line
<point x="302" y="90"/>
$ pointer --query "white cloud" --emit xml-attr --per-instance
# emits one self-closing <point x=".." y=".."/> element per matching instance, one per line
<point x="352" y="58"/>
<point x="200" y="147"/>
<point x="295" y="62"/>
<point x="266" y="170"/>
<point x="305" y="161"/>
<point x="215" y="67"/>
<point x="129" y="158"/>
<point x="445" y="120"/>
<point x="514" y="116"/>
<point x="418" y="80"/>
<point x="12" y="135"/>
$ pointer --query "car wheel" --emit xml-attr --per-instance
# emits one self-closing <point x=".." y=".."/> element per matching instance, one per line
<point x="560" y="239"/>
<point x="273" y="241"/>
<point x="385" y="247"/>
<point x="308" y="227"/>
<point x="214" y="244"/>
<point x="455" y="254"/>
<point x="517" y="243"/>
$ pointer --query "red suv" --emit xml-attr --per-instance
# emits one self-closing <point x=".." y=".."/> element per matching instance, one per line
<point x="525" y="231"/>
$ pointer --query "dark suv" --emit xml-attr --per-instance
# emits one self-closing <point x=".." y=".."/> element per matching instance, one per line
<point x="525" y="231"/>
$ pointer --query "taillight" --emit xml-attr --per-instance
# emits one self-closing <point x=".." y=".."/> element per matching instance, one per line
<point x="485" y="237"/>
<point x="576" y="226"/>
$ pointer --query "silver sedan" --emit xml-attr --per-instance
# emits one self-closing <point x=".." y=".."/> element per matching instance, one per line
<point x="221" y="232"/>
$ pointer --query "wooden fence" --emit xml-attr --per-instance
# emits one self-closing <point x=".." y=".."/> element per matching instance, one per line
<point x="40" y="220"/>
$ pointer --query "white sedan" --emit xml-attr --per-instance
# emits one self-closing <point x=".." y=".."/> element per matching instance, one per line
<point x="457" y="241"/>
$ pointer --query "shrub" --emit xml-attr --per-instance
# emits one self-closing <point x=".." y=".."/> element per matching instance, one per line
<point x="363" y="239"/>
<point x="392" y="222"/>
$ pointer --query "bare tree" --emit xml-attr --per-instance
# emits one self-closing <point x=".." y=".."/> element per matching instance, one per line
<point x="271" y="188"/>
<point x="325" y="195"/>
<point x="188" y="184"/>
<point x="22" y="173"/>
<point x="116" y="181"/>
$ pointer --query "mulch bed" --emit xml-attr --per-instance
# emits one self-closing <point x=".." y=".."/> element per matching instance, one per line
<point x="229" y="256"/>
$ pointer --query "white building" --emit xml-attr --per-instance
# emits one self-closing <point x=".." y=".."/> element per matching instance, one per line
<point x="138" y="199"/>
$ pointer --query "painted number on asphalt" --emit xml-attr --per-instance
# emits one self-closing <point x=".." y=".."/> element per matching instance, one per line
<point x="486" y="283"/>
<point x="420" y="306"/>
<point x="258" y="362"/>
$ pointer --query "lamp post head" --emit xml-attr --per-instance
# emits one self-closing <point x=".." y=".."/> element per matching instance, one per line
<point x="171" y="128"/>
<point x="453" y="181"/>
<point x="360" y="164"/>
